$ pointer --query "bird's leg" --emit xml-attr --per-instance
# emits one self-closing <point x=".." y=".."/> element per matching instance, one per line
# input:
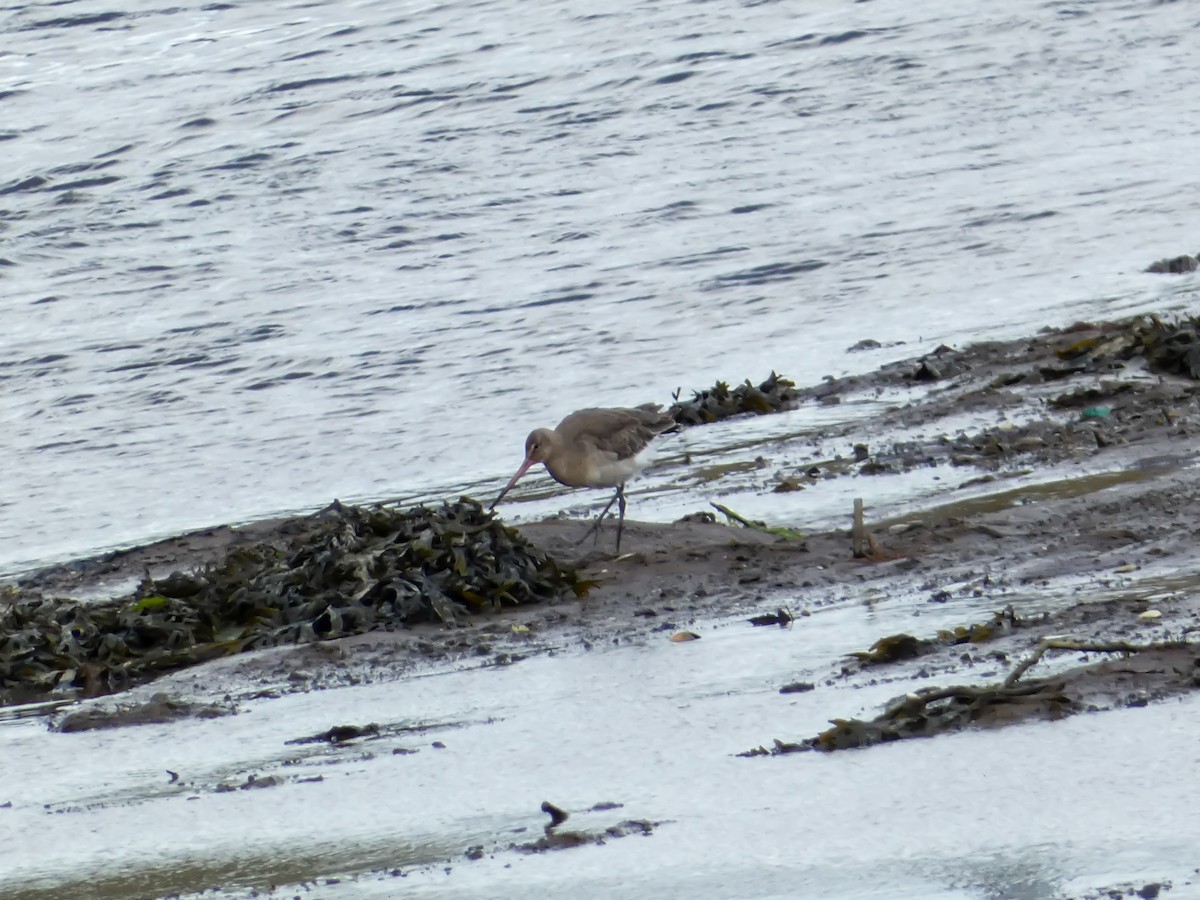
<point x="595" y="529"/>
<point x="620" y="514"/>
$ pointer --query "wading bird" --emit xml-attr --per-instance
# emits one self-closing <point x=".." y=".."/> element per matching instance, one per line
<point x="595" y="448"/>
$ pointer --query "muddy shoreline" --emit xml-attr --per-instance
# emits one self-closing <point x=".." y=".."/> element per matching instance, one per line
<point x="1112" y="437"/>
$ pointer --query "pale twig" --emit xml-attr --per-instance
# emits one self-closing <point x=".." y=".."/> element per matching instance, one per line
<point x="1083" y="647"/>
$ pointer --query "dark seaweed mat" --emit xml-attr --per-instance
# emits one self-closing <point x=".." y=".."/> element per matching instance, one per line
<point x="1171" y="346"/>
<point x="721" y="402"/>
<point x="1168" y="345"/>
<point x="1178" y="265"/>
<point x="955" y="708"/>
<point x="342" y="571"/>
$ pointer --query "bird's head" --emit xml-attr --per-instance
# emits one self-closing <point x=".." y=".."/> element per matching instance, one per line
<point x="538" y="445"/>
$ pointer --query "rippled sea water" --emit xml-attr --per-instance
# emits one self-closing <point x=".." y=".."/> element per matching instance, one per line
<point x="257" y="255"/>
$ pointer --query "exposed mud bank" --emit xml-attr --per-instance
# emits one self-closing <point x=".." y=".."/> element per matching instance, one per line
<point x="1084" y="394"/>
<point x="1050" y="575"/>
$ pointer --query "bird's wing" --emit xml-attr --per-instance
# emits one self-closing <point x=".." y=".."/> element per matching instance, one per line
<point x="620" y="433"/>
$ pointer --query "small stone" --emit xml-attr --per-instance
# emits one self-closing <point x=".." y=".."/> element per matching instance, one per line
<point x="797" y="687"/>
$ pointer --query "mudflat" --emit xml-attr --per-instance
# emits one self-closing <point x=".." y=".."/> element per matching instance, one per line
<point x="1045" y="570"/>
<point x="1085" y="481"/>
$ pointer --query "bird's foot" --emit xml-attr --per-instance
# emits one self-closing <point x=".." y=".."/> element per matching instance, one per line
<point x="594" y="531"/>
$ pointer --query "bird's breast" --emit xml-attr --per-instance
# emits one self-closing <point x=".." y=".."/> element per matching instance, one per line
<point x="592" y="469"/>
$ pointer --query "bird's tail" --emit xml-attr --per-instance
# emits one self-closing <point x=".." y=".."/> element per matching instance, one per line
<point x="656" y="420"/>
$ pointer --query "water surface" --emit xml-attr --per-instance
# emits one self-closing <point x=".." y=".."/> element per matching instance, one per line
<point x="254" y="256"/>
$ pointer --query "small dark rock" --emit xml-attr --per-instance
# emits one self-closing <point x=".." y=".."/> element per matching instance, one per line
<point x="864" y="344"/>
<point x="557" y="815"/>
<point x="179" y="585"/>
<point x="797" y="687"/>
<point x="1179" y="265"/>
<point x="927" y="371"/>
<point x="339" y="734"/>
<point x="787" y="486"/>
<point x="780" y="617"/>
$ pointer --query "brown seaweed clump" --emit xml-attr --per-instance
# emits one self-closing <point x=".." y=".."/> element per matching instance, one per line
<point x="1145" y="672"/>
<point x="721" y="402"/>
<point x="1177" y="265"/>
<point x="904" y="646"/>
<point x="1172" y="347"/>
<point x="931" y="712"/>
<point x="1168" y="345"/>
<point x="342" y="571"/>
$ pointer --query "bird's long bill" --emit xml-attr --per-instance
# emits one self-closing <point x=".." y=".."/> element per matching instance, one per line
<point x="525" y="466"/>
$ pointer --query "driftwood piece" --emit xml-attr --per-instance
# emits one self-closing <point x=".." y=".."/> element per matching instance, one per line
<point x="1055" y="643"/>
<point x="859" y="532"/>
